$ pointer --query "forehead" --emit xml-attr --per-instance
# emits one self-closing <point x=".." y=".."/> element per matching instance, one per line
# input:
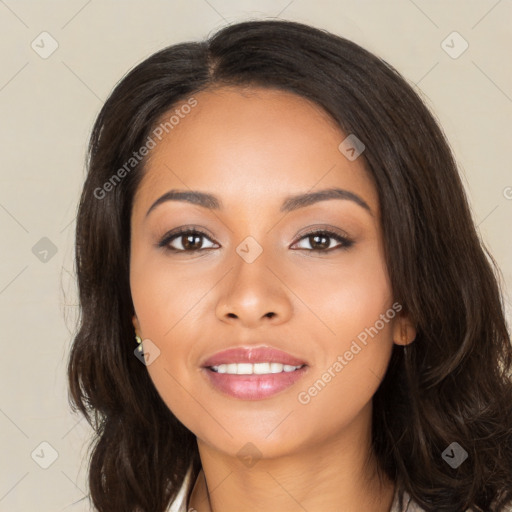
<point x="252" y="144"/>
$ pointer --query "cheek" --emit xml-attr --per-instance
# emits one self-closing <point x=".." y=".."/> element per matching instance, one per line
<point x="164" y="296"/>
<point x="168" y="306"/>
<point x="354" y="304"/>
<point x="346" y="296"/>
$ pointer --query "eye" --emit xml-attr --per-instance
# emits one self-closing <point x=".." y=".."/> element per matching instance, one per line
<point x="185" y="240"/>
<point x="188" y="239"/>
<point x="321" y="241"/>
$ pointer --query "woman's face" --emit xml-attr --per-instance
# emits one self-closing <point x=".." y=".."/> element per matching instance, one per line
<point x="254" y="279"/>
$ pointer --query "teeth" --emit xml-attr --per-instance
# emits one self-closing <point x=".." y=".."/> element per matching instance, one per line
<point x="254" y="369"/>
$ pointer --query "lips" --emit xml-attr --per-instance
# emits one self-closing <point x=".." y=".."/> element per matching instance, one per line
<point x="252" y="355"/>
<point x="253" y="387"/>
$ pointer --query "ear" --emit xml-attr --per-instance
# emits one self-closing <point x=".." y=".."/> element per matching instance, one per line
<point x="136" y="325"/>
<point x="404" y="331"/>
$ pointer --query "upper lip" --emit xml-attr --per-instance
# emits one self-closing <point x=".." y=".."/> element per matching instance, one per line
<point x="261" y="354"/>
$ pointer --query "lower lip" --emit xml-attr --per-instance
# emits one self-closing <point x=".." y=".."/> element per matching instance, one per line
<point x="253" y="387"/>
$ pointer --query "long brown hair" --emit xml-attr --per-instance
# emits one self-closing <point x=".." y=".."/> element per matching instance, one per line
<point x="453" y="384"/>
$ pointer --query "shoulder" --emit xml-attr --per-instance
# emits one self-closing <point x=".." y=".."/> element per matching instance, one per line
<point x="179" y="504"/>
<point x="408" y="504"/>
<point x="411" y="506"/>
<point x="84" y="504"/>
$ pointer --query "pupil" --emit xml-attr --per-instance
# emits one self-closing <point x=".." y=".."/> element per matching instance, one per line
<point x="190" y="245"/>
<point x="324" y="245"/>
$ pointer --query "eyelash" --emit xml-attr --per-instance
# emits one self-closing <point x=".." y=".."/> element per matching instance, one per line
<point x="188" y="230"/>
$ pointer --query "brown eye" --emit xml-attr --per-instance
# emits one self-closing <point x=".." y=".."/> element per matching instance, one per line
<point x="321" y="241"/>
<point x="185" y="241"/>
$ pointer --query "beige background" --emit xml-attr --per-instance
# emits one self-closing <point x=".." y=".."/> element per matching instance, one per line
<point x="48" y="105"/>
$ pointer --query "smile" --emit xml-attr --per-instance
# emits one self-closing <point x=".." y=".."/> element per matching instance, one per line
<point x="256" y="368"/>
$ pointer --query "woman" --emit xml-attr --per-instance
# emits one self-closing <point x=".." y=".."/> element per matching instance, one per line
<point x="285" y="304"/>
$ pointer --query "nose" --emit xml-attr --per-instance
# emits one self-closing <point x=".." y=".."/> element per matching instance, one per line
<point x="254" y="294"/>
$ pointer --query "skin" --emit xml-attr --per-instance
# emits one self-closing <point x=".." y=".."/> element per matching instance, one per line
<point x="252" y="148"/>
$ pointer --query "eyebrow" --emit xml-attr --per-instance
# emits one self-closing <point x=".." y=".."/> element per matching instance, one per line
<point x="290" y="203"/>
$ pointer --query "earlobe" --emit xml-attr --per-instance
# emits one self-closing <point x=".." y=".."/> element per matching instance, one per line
<point x="404" y="331"/>
<point x="136" y="325"/>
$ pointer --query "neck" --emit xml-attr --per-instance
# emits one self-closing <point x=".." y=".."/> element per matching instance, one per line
<point x="330" y="477"/>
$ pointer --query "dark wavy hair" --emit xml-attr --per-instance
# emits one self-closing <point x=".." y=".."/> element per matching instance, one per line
<point x="452" y="384"/>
